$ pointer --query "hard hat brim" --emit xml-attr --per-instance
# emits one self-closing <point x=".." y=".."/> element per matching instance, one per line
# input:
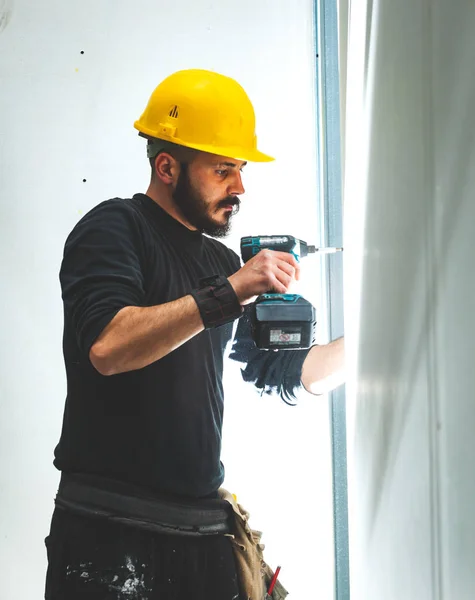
<point x="236" y="152"/>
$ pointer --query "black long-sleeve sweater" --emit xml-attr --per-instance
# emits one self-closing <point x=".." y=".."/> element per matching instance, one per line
<point x="158" y="427"/>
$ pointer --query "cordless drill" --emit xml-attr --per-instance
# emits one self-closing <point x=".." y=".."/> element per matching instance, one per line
<point x="282" y="321"/>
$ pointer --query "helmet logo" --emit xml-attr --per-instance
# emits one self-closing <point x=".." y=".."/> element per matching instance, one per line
<point x="173" y="112"/>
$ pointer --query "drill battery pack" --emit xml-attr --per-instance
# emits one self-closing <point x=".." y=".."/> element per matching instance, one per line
<point x="283" y="322"/>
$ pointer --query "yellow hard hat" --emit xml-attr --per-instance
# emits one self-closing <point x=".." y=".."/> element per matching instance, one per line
<point x="205" y="111"/>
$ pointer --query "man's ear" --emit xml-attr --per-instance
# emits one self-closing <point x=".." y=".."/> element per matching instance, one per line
<point x="166" y="168"/>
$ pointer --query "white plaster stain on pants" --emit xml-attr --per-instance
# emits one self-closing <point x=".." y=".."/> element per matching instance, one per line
<point x="133" y="584"/>
<point x="127" y="584"/>
<point x="6" y="9"/>
<point x="130" y="564"/>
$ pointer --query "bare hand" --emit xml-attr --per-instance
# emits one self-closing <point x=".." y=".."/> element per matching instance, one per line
<point x="269" y="270"/>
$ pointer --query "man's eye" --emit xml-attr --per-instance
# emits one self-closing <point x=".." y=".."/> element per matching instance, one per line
<point x="221" y="172"/>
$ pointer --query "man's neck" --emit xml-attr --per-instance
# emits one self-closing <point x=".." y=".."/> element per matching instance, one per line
<point x="166" y="202"/>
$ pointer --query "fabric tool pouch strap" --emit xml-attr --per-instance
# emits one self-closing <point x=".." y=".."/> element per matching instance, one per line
<point x="254" y="574"/>
<point x="113" y="500"/>
<point x="217" y="301"/>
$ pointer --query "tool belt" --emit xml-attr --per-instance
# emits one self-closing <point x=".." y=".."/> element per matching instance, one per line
<point x="95" y="496"/>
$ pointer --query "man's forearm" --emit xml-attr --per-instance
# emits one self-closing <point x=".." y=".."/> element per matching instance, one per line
<point x="324" y="367"/>
<point x="139" y="336"/>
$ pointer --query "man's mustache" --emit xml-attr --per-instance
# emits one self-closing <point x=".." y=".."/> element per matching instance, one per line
<point x="233" y="201"/>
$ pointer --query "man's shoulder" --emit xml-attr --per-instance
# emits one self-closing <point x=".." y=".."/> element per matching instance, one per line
<point x="119" y="206"/>
<point x="115" y="216"/>
<point x="113" y="212"/>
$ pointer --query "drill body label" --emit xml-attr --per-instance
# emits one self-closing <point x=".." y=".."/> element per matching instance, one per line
<point x="278" y="336"/>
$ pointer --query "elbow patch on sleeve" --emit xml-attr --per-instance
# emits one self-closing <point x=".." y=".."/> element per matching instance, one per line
<point x="102" y="270"/>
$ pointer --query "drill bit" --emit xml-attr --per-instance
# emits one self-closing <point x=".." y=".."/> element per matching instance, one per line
<point x="313" y="249"/>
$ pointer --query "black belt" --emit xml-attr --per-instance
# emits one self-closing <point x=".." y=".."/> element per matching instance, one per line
<point x="114" y="501"/>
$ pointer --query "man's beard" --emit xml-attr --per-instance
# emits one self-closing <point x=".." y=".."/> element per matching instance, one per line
<point x="196" y="210"/>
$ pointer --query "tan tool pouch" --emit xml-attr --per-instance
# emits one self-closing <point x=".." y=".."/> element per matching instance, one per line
<point x="254" y="574"/>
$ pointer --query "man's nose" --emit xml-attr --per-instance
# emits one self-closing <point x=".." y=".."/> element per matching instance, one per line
<point x="236" y="188"/>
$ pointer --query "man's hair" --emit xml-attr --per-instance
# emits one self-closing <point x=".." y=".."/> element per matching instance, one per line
<point x="156" y="146"/>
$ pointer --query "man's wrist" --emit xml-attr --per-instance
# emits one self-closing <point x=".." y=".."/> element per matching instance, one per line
<point x="217" y="301"/>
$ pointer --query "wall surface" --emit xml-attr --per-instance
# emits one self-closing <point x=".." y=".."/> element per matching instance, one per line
<point x="74" y="77"/>
<point x="410" y="293"/>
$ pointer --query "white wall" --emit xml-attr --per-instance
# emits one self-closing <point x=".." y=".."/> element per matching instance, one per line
<point x="67" y="116"/>
<point x="410" y="293"/>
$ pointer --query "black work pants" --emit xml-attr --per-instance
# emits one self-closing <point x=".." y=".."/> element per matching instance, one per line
<point x="90" y="558"/>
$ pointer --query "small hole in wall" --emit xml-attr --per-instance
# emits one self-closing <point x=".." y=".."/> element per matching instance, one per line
<point x="82" y="51"/>
<point x="84" y="180"/>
